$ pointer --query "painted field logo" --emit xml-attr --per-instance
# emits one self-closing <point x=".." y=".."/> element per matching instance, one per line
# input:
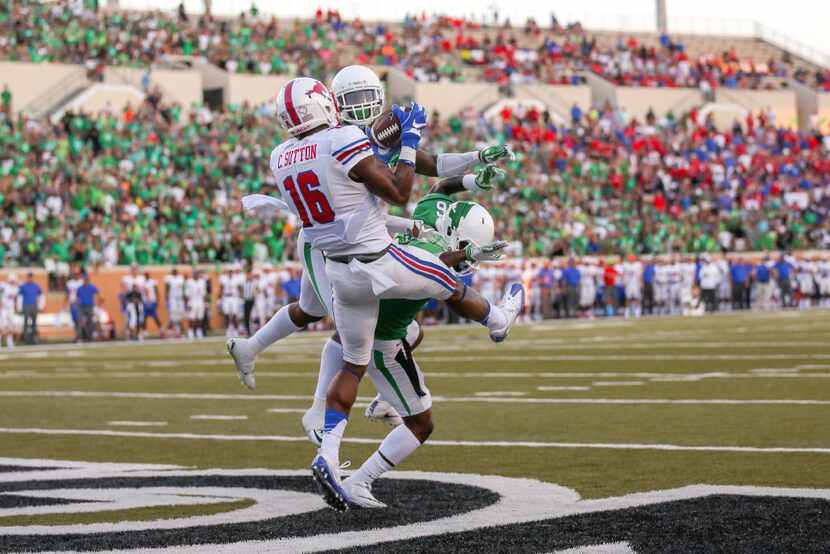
<point x="50" y="505"/>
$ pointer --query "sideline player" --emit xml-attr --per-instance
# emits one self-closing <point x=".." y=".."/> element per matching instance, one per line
<point x="150" y="303"/>
<point x="174" y="294"/>
<point x="8" y="299"/>
<point x="195" y="291"/>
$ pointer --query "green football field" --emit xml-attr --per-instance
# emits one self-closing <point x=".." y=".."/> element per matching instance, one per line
<point x="605" y="408"/>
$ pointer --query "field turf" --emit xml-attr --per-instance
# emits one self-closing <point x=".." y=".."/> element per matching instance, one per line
<point x="605" y="408"/>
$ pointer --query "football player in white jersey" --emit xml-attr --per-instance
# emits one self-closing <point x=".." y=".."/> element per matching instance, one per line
<point x="675" y="296"/>
<point x="128" y="283"/>
<point x="661" y="286"/>
<point x="805" y="278"/>
<point x="332" y="182"/>
<point x="589" y="276"/>
<point x="72" y="286"/>
<point x="632" y="276"/>
<point x="174" y="293"/>
<point x="270" y="283"/>
<point x="261" y="294"/>
<point x="226" y="301"/>
<point x="8" y="299"/>
<point x="823" y="275"/>
<point x="195" y="291"/>
<point x="150" y="304"/>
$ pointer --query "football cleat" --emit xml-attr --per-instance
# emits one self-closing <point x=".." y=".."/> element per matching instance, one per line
<point x="383" y="412"/>
<point x="327" y="477"/>
<point x="512" y="305"/>
<point x="244" y="357"/>
<point x="360" y="494"/>
<point x="313" y="421"/>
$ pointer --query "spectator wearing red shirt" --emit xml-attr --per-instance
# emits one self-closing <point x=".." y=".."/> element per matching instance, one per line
<point x="609" y="279"/>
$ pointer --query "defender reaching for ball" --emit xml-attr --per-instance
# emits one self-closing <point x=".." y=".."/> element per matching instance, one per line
<point x="331" y="176"/>
<point x="360" y="98"/>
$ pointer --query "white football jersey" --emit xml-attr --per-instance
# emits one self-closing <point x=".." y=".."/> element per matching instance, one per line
<point x="195" y="290"/>
<point x="72" y="286"/>
<point x="8" y="296"/>
<point x="130" y="281"/>
<point x="632" y="274"/>
<point x="339" y="215"/>
<point x="150" y="291"/>
<point x="237" y="282"/>
<point x="226" y="284"/>
<point x="176" y="284"/>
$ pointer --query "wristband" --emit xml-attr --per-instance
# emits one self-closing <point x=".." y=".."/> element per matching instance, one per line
<point x="468" y="181"/>
<point x="407" y="156"/>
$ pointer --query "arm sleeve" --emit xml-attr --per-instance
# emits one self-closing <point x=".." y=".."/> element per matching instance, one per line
<point x="453" y="165"/>
<point x="397" y="224"/>
<point x="350" y="145"/>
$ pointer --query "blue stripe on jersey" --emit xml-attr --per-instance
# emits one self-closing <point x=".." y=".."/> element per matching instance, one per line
<point x="348" y="145"/>
<point x="410" y="256"/>
<point x="364" y="149"/>
<point x="429" y="276"/>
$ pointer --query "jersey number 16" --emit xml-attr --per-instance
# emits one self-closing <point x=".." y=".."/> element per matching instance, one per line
<point x="313" y="205"/>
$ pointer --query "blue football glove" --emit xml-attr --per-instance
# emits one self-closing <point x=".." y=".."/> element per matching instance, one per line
<point x="412" y="122"/>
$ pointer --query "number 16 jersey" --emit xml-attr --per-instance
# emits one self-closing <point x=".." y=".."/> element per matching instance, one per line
<point x="339" y="215"/>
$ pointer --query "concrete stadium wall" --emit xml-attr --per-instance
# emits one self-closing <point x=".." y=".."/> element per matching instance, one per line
<point x="449" y="98"/>
<point x="101" y="97"/>
<point x="782" y="102"/>
<point x="558" y="98"/>
<point x="823" y="112"/>
<point x="255" y="89"/>
<point x="182" y="86"/>
<point x="27" y="81"/>
<point x="637" y="101"/>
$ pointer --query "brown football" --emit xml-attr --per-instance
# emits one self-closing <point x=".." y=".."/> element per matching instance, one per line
<point x="385" y="131"/>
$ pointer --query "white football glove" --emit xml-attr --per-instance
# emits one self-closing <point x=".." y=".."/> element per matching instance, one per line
<point x="487" y="253"/>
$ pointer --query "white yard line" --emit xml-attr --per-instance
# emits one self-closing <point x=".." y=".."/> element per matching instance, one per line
<point x="272" y="397"/>
<point x="616" y="383"/>
<point x="762" y="373"/>
<point x="500" y="393"/>
<point x="286" y="411"/>
<point x="551" y="388"/>
<point x="137" y="423"/>
<point x="505" y="444"/>
<point x="211" y="417"/>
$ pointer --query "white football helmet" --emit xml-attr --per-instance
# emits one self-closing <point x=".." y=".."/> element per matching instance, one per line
<point x="359" y="94"/>
<point x="304" y="104"/>
<point x="466" y="223"/>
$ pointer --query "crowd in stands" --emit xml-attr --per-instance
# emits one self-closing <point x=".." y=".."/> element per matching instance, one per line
<point x="426" y="48"/>
<point x="156" y="184"/>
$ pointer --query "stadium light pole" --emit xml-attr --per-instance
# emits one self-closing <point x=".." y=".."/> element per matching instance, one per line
<point x="660" y="10"/>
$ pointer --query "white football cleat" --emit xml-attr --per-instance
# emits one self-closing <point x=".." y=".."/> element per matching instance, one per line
<point x="512" y="305"/>
<point x="382" y="411"/>
<point x="327" y="476"/>
<point x="313" y="421"/>
<point x="244" y="357"/>
<point x="360" y="494"/>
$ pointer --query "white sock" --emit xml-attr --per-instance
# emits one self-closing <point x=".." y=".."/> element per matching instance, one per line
<point x="199" y="333"/>
<point x="9" y="341"/>
<point x="330" y="446"/>
<point x="331" y="361"/>
<point x="278" y="327"/>
<point x="496" y="318"/>
<point x="395" y="448"/>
